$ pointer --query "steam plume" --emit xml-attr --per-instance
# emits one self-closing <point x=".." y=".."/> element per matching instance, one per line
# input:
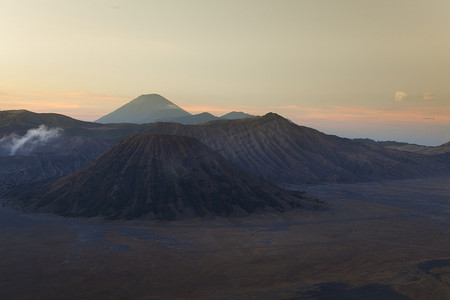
<point x="35" y="137"/>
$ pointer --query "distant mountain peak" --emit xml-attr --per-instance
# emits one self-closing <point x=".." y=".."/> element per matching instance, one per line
<point x="151" y="108"/>
<point x="236" y="115"/>
<point x="274" y="117"/>
<point x="151" y="95"/>
<point x="146" y="108"/>
<point x="151" y="98"/>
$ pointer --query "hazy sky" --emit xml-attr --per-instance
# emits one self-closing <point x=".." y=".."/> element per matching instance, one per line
<point x="356" y="68"/>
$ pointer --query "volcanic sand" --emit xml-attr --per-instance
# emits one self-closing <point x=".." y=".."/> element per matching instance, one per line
<point x="388" y="240"/>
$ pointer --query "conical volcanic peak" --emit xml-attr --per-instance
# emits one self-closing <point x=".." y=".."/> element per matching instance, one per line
<point x="162" y="177"/>
<point x="145" y="109"/>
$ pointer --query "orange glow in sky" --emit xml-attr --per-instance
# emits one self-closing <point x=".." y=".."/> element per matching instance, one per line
<point x="355" y="68"/>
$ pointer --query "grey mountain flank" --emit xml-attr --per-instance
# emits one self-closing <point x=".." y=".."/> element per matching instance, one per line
<point x="283" y="152"/>
<point x="158" y="176"/>
<point x="152" y="108"/>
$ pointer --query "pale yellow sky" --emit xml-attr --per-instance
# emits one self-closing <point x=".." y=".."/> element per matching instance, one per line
<point x="355" y="68"/>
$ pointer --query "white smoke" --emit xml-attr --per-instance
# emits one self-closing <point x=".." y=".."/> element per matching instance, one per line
<point x="35" y="137"/>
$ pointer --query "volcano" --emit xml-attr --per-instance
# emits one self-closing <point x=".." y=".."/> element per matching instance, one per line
<point x="145" y="109"/>
<point x="272" y="147"/>
<point x="159" y="177"/>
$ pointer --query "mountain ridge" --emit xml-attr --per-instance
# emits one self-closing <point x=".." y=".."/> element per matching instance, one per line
<point x="158" y="176"/>
<point x="20" y="120"/>
<point x="150" y="108"/>
<point x="279" y="150"/>
<point x="440" y="150"/>
<point x="269" y="146"/>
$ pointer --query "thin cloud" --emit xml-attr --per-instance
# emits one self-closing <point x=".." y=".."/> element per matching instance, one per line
<point x="68" y="95"/>
<point x="428" y="96"/>
<point x="296" y="107"/>
<point x="400" y="96"/>
<point x="80" y="105"/>
<point x="359" y="115"/>
<point x="71" y="95"/>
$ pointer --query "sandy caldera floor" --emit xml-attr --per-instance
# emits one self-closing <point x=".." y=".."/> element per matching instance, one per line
<point x="388" y="240"/>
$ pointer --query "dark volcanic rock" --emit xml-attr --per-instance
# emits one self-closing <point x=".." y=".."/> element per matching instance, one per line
<point x="76" y="144"/>
<point x="25" y="170"/>
<point x="281" y="151"/>
<point x="157" y="176"/>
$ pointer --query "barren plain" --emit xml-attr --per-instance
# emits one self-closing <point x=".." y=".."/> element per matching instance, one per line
<point x="384" y="240"/>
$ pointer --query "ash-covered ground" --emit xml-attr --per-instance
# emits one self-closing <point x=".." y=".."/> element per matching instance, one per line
<point x="386" y="240"/>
